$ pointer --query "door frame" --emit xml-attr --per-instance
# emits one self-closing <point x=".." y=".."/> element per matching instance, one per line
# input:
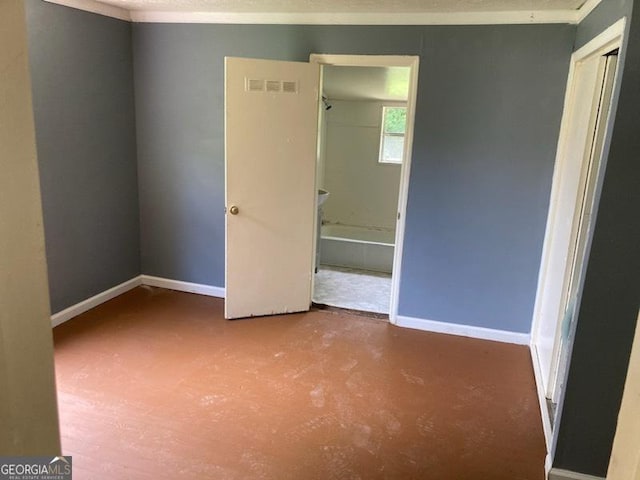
<point x="412" y="62"/>
<point x="583" y="220"/>
<point x="608" y="40"/>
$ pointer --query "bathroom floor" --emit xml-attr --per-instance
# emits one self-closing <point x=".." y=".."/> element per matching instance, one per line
<point x="353" y="289"/>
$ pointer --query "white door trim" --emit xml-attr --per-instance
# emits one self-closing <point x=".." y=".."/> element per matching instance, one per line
<point x="604" y="42"/>
<point x="390" y="61"/>
<point x="607" y="41"/>
<point x="545" y="414"/>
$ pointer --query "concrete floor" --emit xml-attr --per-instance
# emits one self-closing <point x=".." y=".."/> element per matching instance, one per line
<point x="155" y="384"/>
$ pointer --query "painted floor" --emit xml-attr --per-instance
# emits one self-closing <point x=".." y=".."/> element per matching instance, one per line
<point x="353" y="289"/>
<point x="155" y="384"/>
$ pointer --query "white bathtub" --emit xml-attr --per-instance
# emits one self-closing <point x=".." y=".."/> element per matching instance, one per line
<point x="357" y="247"/>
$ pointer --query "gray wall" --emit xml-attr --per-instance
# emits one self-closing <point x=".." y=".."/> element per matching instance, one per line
<point x="489" y="107"/>
<point x="486" y="133"/>
<point x="82" y="76"/>
<point x="611" y="294"/>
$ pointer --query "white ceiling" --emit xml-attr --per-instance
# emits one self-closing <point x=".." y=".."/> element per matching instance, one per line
<point x="346" y="6"/>
<point x="366" y="83"/>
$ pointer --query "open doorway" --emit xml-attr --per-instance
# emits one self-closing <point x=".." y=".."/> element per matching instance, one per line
<point x="365" y="132"/>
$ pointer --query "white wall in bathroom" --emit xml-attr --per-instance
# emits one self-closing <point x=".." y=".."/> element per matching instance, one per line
<point x="363" y="192"/>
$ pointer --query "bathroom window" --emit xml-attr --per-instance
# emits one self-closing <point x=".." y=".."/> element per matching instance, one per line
<point x="394" y="126"/>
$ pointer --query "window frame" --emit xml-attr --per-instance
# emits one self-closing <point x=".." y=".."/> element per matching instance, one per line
<point x="383" y="134"/>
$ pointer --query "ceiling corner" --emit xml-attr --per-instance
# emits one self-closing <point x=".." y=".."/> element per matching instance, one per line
<point x="586" y="8"/>
<point x="95" y="7"/>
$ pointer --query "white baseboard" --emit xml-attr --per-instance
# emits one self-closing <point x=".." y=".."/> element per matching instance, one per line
<point x="89" y="303"/>
<point x="559" y="474"/>
<point x="183" y="286"/>
<point x="463" y="330"/>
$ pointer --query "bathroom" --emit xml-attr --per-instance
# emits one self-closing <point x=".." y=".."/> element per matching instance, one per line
<point x="363" y="123"/>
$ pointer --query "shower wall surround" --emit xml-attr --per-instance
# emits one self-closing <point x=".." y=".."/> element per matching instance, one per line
<point x="363" y="192"/>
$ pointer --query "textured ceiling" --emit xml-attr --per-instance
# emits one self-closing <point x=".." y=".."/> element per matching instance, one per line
<point x="344" y="6"/>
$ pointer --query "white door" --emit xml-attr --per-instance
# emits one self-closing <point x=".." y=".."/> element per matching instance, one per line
<point x="568" y="187"/>
<point x="271" y="113"/>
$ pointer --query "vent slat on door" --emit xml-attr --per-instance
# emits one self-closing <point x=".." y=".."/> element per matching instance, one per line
<point x="254" y="84"/>
<point x="273" y="85"/>
<point x="289" y="87"/>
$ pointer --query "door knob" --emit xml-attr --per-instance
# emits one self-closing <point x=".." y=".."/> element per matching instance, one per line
<point x="233" y="210"/>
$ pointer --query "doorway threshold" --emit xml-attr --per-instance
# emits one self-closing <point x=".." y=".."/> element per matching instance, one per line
<point x="322" y="307"/>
